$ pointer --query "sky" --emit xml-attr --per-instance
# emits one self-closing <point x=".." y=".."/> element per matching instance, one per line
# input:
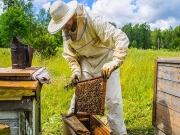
<point x="156" y="13"/>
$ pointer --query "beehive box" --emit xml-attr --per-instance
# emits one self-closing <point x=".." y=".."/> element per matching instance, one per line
<point x="89" y="102"/>
<point x="86" y="125"/>
<point x="20" y="105"/>
<point x="166" y="102"/>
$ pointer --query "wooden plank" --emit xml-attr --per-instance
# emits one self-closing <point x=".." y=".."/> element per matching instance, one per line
<point x="9" y="115"/>
<point x="98" y="127"/>
<point x="167" y="127"/>
<point x="36" y="117"/>
<point x="159" y="132"/>
<point x="170" y="87"/>
<point x="176" y="65"/>
<point x="18" y="72"/>
<point x="23" y="122"/>
<point x="172" y="117"/>
<point x="154" y="95"/>
<point x="31" y="85"/>
<point x="169" y="59"/>
<point x="10" y="118"/>
<point x="22" y="105"/>
<point x="169" y="72"/>
<point x="76" y="125"/>
<point x="15" y="94"/>
<point x="171" y="101"/>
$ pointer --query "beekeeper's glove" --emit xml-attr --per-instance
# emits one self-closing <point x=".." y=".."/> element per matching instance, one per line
<point x="118" y="58"/>
<point x="108" y="68"/>
<point x="75" y="77"/>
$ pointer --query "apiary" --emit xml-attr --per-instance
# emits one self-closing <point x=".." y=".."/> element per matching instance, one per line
<point x="166" y="102"/>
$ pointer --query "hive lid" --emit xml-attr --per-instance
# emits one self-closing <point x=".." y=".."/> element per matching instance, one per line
<point x="18" y="72"/>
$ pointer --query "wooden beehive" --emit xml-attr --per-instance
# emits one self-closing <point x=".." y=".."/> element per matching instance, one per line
<point x="89" y="102"/>
<point x="166" y="102"/>
<point x="20" y="106"/>
<point x="92" y="124"/>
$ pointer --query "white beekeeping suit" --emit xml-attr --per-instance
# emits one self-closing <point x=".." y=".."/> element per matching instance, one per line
<point x="96" y="47"/>
<point x="97" y="43"/>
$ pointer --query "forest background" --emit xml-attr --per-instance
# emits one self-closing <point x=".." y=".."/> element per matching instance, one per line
<point x="19" y="19"/>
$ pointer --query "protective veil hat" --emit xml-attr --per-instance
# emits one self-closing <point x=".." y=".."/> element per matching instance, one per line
<point x="60" y="13"/>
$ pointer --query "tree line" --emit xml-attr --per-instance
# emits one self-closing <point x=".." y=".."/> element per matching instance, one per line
<point x="141" y="36"/>
<point x="21" y="20"/>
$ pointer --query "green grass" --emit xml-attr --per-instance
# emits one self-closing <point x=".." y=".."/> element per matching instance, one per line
<point x="137" y="80"/>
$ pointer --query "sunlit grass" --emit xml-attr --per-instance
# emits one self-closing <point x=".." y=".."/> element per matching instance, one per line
<point x="137" y="81"/>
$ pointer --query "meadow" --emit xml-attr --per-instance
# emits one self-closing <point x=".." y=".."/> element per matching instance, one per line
<point x="137" y="81"/>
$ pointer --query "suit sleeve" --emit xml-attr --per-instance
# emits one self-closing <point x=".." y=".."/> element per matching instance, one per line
<point x="111" y="37"/>
<point x="71" y="57"/>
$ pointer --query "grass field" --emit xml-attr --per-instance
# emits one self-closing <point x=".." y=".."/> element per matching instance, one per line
<point x="137" y="80"/>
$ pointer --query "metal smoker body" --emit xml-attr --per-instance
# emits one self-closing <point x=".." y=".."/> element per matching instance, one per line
<point x="21" y="54"/>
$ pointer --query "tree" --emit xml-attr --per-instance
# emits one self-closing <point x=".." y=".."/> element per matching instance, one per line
<point x="13" y="22"/>
<point x="40" y="39"/>
<point x="145" y="41"/>
<point x="45" y="45"/>
<point x="28" y="9"/>
<point x="113" y="24"/>
<point x="10" y="3"/>
<point x="177" y="31"/>
<point x="167" y="37"/>
<point x="156" y="36"/>
<point x="139" y="35"/>
<point x="128" y="30"/>
<point x="135" y="35"/>
<point x="19" y="20"/>
<point x="176" y="44"/>
<point x="58" y="38"/>
<point x="43" y="19"/>
<point x="134" y="44"/>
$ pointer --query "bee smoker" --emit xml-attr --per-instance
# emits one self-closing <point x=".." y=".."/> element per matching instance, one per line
<point x="21" y="54"/>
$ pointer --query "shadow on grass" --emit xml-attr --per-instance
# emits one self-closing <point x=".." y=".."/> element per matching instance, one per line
<point x="141" y="131"/>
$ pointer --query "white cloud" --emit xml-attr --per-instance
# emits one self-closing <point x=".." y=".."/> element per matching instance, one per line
<point x="157" y="13"/>
<point x="39" y="4"/>
<point x="40" y="1"/>
<point x="46" y="6"/>
<point x="165" y="24"/>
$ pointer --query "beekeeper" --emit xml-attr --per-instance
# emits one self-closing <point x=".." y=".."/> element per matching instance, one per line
<point x="93" y="47"/>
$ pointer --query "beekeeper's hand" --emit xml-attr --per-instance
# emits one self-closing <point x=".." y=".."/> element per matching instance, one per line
<point x="108" y="68"/>
<point x="75" y="77"/>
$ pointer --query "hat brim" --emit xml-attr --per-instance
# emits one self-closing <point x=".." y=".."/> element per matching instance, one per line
<point x="55" y="26"/>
